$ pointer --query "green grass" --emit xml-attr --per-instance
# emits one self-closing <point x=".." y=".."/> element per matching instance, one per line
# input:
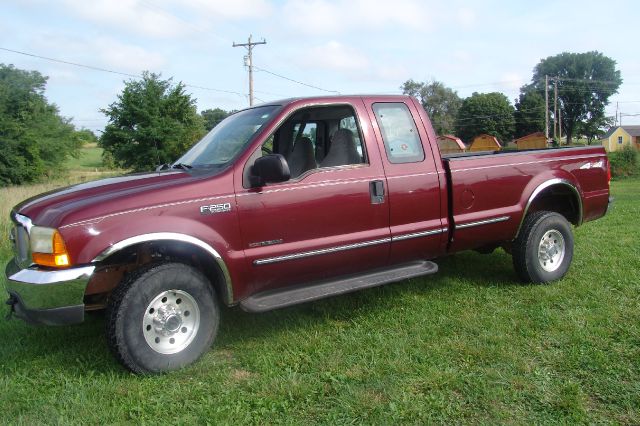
<point x="469" y="345"/>
<point x="90" y="159"/>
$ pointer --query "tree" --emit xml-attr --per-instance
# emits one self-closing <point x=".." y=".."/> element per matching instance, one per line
<point x="529" y="115"/>
<point x="152" y="122"/>
<point x="592" y="127"/>
<point x="214" y="116"/>
<point x="490" y="113"/>
<point x="35" y="140"/>
<point x="586" y="81"/>
<point x="86" y="136"/>
<point x="440" y="102"/>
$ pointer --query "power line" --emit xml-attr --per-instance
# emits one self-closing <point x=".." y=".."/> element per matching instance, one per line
<point x="295" y="81"/>
<point x="197" y="28"/>
<point x="94" y="68"/>
<point x="165" y="12"/>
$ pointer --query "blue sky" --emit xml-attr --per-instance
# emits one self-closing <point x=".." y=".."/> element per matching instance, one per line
<point x="356" y="46"/>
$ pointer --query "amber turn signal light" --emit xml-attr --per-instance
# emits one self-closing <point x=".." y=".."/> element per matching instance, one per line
<point x="58" y="257"/>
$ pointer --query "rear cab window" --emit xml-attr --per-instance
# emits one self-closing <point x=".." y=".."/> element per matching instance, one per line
<point x="399" y="133"/>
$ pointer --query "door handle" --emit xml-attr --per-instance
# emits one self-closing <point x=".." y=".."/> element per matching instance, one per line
<point x="376" y="189"/>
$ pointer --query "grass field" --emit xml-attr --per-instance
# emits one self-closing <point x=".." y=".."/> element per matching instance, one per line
<point x="90" y="159"/>
<point x="469" y="345"/>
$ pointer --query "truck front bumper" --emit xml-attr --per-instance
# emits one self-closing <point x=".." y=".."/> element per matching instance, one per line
<point x="50" y="297"/>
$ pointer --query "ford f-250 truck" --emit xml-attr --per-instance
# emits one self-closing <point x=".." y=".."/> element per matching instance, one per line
<point x="286" y="203"/>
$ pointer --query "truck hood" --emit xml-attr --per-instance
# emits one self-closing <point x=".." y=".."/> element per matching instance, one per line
<point x="92" y="199"/>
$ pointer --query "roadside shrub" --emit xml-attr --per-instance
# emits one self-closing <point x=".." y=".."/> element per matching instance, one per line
<point x="624" y="163"/>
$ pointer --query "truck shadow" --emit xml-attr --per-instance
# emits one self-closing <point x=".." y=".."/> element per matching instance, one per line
<point x="466" y="269"/>
<point x="82" y="349"/>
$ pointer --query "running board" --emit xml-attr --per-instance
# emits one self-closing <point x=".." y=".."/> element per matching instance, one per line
<point x="274" y="299"/>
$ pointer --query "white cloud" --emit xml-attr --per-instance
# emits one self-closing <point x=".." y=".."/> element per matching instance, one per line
<point x="127" y="57"/>
<point x="227" y="9"/>
<point x="335" y="56"/>
<point x="321" y="17"/>
<point x="131" y="15"/>
<point x="166" y="18"/>
<point x="512" y="81"/>
<point x="463" y="56"/>
<point x="393" y="73"/>
<point x="104" y="52"/>
<point x="466" y="17"/>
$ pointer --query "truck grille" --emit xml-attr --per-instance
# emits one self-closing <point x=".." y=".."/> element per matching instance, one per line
<point x="20" y="239"/>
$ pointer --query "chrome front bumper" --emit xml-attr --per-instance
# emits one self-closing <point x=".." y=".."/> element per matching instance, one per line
<point x="51" y="297"/>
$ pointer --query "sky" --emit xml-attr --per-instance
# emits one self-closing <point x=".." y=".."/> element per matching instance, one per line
<point x="350" y="47"/>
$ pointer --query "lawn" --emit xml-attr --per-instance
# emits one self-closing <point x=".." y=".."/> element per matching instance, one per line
<point x="468" y="345"/>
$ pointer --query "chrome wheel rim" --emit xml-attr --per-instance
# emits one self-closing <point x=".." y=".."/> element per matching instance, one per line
<point x="171" y="321"/>
<point x="551" y="250"/>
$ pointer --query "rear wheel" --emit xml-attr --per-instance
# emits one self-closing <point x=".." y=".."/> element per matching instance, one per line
<point x="162" y="318"/>
<point x="544" y="248"/>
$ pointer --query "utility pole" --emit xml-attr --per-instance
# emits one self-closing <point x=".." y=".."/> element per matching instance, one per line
<point x="560" y="126"/>
<point x="249" y="62"/>
<point x="546" y="107"/>
<point x="616" y="122"/>
<point x="555" y="108"/>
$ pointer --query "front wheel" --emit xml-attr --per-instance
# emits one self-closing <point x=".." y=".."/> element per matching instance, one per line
<point x="543" y="250"/>
<point x="162" y="318"/>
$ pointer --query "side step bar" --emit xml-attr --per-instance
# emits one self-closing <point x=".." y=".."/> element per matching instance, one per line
<point x="274" y="299"/>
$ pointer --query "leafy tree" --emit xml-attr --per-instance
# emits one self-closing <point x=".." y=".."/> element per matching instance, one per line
<point x="440" y="102"/>
<point x="529" y="115"/>
<point x="490" y="113"/>
<point x="152" y="122"/>
<point x="592" y="127"/>
<point x="86" y="136"/>
<point x="214" y="116"/>
<point x="35" y="140"/>
<point x="586" y="81"/>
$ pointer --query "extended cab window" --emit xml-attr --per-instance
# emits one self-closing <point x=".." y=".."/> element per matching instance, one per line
<point x="318" y="137"/>
<point x="399" y="132"/>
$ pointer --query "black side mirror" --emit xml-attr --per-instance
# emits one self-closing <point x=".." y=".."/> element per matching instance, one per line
<point x="271" y="168"/>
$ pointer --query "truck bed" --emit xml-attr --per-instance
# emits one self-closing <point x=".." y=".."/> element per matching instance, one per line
<point x="490" y="191"/>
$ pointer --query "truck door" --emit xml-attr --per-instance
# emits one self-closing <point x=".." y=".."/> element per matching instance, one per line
<point x="413" y="181"/>
<point x="328" y="220"/>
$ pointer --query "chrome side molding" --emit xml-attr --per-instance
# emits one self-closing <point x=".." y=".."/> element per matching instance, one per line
<point x="320" y="251"/>
<point x="482" y="222"/>
<point x="335" y="249"/>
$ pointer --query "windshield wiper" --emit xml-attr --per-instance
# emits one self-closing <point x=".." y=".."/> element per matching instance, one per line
<point x="181" y="166"/>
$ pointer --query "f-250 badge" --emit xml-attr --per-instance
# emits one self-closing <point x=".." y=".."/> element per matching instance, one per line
<point x="215" y="208"/>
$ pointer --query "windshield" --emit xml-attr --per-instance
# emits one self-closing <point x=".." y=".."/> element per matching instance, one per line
<point x="228" y="139"/>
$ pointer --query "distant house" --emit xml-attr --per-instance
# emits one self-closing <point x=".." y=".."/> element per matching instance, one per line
<point x="619" y="137"/>
<point x="485" y="143"/>
<point x="535" y="140"/>
<point x="450" y="144"/>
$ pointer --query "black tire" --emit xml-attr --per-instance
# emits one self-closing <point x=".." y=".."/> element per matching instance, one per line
<point x="533" y="266"/>
<point x="127" y="318"/>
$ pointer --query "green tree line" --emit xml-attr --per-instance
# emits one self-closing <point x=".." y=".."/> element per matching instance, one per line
<point x="154" y="120"/>
<point x="585" y="83"/>
<point x="35" y="140"/>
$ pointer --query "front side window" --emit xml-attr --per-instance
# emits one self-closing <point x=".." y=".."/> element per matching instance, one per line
<point x="399" y="132"/>
<point x="225" y="141"/>
<point x="620" y="140"/>
<point x="317" y="137"/>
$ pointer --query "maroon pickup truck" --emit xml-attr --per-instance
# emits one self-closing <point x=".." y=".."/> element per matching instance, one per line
<point x="286" y="203"/>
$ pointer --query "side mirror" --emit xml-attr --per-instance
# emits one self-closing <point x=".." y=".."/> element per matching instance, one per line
<point x="271" y="168"/>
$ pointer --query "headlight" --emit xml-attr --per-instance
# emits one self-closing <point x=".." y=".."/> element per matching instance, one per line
<point x="48" y="248"/>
